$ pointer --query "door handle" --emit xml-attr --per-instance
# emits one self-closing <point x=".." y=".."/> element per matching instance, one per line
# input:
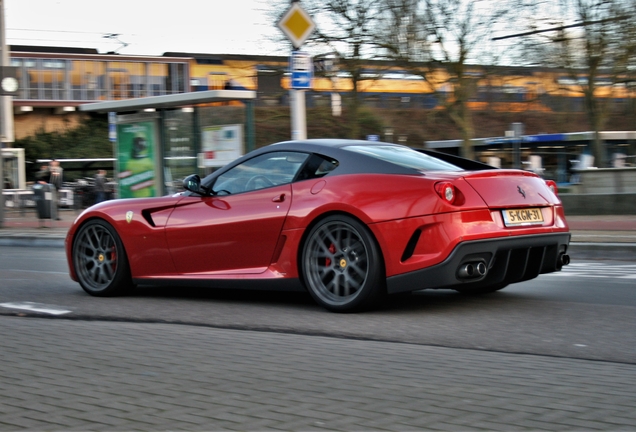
<point x="279" y="198"/>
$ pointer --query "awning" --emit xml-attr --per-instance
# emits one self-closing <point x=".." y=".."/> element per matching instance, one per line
<point x="169" y="101"/>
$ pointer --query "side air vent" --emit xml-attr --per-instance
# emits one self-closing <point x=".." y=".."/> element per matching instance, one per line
<point x="146" y="214"/>
<point x="410" y="246"/>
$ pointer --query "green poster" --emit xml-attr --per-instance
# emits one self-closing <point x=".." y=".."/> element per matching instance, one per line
<point x="135" y="156"/>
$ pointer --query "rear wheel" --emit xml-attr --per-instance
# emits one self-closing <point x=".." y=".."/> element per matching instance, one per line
<point x="100" y="260"/>
<point x="342" y="266"/>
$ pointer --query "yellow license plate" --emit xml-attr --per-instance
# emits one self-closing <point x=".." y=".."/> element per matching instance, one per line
<point x="526" y="216"/>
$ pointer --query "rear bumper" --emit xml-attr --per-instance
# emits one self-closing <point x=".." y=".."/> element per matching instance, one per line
<point x="508" y="260"/>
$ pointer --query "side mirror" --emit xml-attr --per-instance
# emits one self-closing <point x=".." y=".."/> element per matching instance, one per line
<point x="192" y="183"/>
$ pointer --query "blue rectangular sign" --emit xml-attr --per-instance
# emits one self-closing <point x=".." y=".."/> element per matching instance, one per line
<point x="301" y="70"/>
<point x="544" y="138"/>
<point x="301" y="80"/>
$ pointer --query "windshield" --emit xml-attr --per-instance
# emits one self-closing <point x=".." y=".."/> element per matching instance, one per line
<point x="404" y="156"/>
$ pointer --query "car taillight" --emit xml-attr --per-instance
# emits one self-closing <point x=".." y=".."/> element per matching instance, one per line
<point x="446" y="191"/>
<point x="553" y="186"/>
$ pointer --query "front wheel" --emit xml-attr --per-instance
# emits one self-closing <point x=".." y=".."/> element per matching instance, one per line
<point x="100" y="260"/>
<point x="342" y="265"/>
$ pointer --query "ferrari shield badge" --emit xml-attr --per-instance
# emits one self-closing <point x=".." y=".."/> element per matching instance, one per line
<point x="129" y="216"/>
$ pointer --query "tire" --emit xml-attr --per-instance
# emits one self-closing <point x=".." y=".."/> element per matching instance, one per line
<point x="100" y="260"/>
<point x="482" y="290"/>
<point x="341" y="265"/>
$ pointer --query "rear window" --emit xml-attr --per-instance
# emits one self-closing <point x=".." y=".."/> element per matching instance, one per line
<point x="404" y="156"/>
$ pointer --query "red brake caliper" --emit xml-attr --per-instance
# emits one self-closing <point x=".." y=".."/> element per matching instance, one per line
<point x="332" y="249"/>
<point x="113" y="255"/>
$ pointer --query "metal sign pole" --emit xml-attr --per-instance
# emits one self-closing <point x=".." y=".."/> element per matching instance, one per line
<point x="297" y="105"/>
<point x="297" y="26"/>
<point x="298" y="114"/>
<point x="301" y="76"/>
<point x="4" y="116"/>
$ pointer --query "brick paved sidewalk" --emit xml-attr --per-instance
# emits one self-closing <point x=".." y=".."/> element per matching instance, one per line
<point x="73" y="375"/>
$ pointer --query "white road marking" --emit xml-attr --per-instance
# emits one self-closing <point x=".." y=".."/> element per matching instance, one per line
<point x="598" y="270"/>
<point x="35" y="307"/>
<point x="34" y="271"/>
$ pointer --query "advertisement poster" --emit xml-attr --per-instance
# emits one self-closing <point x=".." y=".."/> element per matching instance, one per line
<point x="136" y="159"/>
<point x="221" y="144"/>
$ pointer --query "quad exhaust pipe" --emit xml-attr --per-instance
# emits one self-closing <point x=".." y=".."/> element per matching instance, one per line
<point x="472" y="270"/>
<point x="564" y="259"/>
<point x="478" y="269"/>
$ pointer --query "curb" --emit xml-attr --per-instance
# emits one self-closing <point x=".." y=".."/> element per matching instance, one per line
<point x="25" y="241"/>
<point x="617" y="251"/>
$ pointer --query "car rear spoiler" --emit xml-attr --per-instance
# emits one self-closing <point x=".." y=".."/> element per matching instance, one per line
<point x="460" y="162"/>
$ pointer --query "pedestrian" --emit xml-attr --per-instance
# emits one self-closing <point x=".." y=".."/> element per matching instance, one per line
<point x="43" y="175"/>
<point x="56" y="174"/>
<point x="100" y="186"/>
<point x="56" y="180"/>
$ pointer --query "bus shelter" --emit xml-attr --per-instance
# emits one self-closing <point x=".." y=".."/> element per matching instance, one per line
<point x="160" y="140"/>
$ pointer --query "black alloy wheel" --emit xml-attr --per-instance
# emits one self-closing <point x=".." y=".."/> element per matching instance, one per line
<point x="342" y="266"/>
<point x="100" y="260"/>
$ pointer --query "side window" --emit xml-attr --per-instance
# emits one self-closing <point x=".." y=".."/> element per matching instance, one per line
<point x="326" y="166"/>
<point x="317" y="166"/>
<point x="266" y="170"/>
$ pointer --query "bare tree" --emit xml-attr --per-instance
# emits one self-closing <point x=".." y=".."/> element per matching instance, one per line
<point x="444" y="41"/>
<point x="593" y="43"/>
<point x="347" y="29"/>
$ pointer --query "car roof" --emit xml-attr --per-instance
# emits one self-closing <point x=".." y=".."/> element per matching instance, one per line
<point x="332" y="142"/>
<point x="339" y="143"/>
<point x="349" y="162"/>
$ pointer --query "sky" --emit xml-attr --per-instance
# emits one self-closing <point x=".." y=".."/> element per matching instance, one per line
<point x="149" y="27"/>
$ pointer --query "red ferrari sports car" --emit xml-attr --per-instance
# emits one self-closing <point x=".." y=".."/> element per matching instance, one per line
<point x="349" y="221"/>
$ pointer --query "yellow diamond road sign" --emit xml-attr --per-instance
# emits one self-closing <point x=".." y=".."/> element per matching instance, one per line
<point x="297" y="25"/>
